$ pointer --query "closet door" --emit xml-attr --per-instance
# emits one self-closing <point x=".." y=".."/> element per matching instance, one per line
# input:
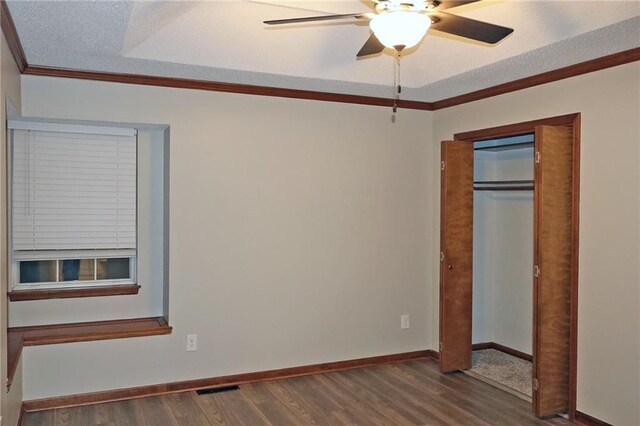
<point x="553" y="220"/>
<point x="456" y="245"/>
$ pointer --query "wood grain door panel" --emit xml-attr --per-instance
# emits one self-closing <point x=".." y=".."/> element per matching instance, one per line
<point x="456" y="245"/>
<point x="553" y="257"/>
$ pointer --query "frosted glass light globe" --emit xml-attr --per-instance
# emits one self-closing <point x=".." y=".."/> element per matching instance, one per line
<point x="400" y="28"/>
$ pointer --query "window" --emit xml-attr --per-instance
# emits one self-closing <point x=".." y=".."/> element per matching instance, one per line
<point x="73" y="205"/>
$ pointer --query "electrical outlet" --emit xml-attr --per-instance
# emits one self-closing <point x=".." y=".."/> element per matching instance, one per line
<point x="192" y="342"/>
<point x="404" y="321"/>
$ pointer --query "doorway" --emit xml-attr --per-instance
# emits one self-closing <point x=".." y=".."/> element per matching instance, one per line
<point x="502" y="300"/>
<point x="555" y="255"/>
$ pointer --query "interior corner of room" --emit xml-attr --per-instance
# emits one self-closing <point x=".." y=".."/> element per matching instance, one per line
<point x="276" y="238"/>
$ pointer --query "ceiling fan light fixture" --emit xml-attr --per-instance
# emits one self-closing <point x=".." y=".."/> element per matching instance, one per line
<point x="400" y="28"/>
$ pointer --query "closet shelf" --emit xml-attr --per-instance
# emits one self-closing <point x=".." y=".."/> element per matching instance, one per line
<point x="506" y="147"/>
<point x="503" y="185"/>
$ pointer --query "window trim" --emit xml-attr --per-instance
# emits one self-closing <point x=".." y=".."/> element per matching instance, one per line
<point x="66" y="289"/>
<point x="69" y="293"/>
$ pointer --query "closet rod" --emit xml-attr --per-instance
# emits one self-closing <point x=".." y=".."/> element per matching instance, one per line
<point x="503" y="185"/>
<point x="503" y="182"/>
<point x="503" y="188"/>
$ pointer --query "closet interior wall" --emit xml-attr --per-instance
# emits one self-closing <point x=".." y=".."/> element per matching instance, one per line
<point x="503" y="251"/>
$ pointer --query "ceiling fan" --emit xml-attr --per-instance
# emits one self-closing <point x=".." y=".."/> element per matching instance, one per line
<point x="401" y="24"/>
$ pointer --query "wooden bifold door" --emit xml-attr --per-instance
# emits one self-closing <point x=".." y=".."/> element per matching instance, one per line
<point x="552" y="227"/>
<point x="555" y="263"/>
<point x="456" y="254"/>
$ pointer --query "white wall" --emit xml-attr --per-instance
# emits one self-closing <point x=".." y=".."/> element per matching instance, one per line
<point x="609" y="272"/>
<point x="503" y="252"/>
<point x="482" y="297"/>
<point x="300" y="232"/>
<point x="9" y="88"/>
<point x="512" y="320"/>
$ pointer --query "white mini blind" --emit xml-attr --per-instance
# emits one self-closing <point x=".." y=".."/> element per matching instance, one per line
<point x="72" y="191"/>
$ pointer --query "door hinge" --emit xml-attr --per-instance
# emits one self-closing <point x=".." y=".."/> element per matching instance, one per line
<point x="440" y="346"/>
<point x="537" y="157"/>
<point x="441" y="256"/>
<point x="535" y="384"/>
<point x="442" y="165"/>
<point x="536" y="271"/>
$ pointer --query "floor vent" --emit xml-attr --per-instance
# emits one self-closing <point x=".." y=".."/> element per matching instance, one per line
<point x="217" y="390"/>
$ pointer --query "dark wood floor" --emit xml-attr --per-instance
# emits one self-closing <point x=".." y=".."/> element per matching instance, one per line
<point x="407" y="393"/>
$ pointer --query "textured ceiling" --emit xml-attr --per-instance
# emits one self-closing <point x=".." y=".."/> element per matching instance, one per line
<point x="226" y="41"/>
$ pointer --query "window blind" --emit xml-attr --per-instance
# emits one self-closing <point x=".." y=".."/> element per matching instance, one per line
<point x="71" y="192"/>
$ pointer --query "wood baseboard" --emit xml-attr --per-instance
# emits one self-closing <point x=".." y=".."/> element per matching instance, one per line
<point x="586" y="420"/>
<point x="502" y="348"/>
<point x="235" y="379"/>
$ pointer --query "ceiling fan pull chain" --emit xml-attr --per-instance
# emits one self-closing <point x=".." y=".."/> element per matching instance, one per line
<point x="396" y="82"/>
<point x="395" y="86"/>
<point x="398" y="62"/>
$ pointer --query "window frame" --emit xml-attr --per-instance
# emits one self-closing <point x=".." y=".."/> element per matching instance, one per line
<point x="53" y="285"/>
<point x="15" y="286"/>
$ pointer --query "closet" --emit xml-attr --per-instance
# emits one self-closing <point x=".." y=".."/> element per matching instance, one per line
<point x="502" y="309"/>
<point x="509" y="200"/>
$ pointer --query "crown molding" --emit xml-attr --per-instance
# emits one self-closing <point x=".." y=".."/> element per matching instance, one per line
<point x="10" y="33"/>
<point x="597" y="64"/>
<point x="215" y="86"/>
<point x="9" y="30"/>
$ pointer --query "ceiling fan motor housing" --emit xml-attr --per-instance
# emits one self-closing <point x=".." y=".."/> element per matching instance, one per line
<point x="420" y="6"/>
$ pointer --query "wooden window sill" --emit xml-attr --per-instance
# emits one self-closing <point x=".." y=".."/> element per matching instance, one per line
<point x="18" y="337"/>
<point x="66" y="293"/>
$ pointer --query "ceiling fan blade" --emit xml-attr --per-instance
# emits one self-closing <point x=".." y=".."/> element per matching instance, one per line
<point x="371" y="47"/>
<point x="469" y="28"/>
<point x="448" y="4"/>
<point x="319" y="18"/>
